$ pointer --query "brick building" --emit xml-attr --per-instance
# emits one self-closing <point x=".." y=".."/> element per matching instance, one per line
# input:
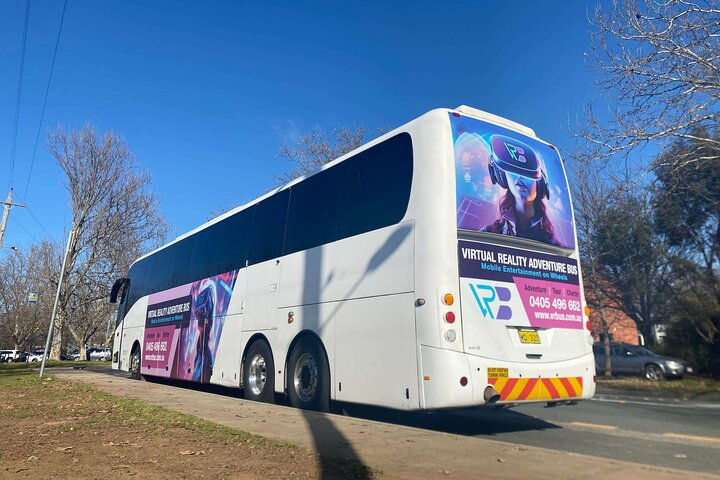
<point x="621" y="327"/>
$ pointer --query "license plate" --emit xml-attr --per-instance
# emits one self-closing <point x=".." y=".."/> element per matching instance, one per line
<point x="529" y="336"/>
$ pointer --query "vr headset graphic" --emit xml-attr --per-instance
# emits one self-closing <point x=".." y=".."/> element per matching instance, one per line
<point x="513" y="156"/>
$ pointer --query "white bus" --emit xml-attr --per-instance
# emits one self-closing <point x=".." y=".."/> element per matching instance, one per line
<point x="435" y="267"/>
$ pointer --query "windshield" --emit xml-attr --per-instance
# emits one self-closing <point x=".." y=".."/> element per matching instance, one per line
<point x="642" y="352"/>
<point x="510" y="184"/>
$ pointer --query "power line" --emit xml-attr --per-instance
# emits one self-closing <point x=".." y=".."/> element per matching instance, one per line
<point x="27" y="209"/>
<point x="19" y="93"/>
<point x="24" y="229"/>
<point x="47" y="90"/>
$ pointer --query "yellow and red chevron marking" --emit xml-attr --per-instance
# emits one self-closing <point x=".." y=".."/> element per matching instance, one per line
<point x="537" y="388"/>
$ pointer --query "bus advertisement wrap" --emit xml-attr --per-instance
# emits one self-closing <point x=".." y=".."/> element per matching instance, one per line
<point x="520" y="287"/>
<point x="510" y="184"/>
<point x="183" y="327"/>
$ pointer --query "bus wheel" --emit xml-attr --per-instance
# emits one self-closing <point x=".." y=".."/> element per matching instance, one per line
<point x="135" y="363"/>
<point x="309" y="376"/>
<point x="259" y="373"/>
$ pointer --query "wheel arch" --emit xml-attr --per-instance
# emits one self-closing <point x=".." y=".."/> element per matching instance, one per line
<point x="298" y="337"/>
<point x="136" y="346"/>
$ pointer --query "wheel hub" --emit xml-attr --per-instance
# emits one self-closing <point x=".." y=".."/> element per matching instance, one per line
<point x="306" y="377"/>
<point x="257" y="375"/>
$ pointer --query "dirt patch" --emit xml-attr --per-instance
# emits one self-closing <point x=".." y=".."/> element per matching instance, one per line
<point x="54" y="429"/>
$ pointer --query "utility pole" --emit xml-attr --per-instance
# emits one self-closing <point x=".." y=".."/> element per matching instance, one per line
<point x="57" y="297"/>
<point x="6" y="213"/>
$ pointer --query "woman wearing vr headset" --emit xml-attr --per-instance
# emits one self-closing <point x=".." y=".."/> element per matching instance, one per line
<point x="515" y="167"/>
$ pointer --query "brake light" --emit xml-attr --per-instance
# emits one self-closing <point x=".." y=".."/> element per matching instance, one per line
<point x="450" y="317"/>
<point x="588" y="325"/>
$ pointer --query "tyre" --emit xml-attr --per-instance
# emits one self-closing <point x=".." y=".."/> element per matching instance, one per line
<point x="653" y="372"/>
<point x="309" y="376"/>
<point x="135" y="363"/>
<point x="259" y="373"/>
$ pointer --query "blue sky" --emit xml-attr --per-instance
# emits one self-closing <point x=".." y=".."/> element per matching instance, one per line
<point x="205" y="92"/>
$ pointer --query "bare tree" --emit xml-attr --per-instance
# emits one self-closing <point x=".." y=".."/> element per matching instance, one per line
<point x="315" y="149"/>
<point x="660" y="66"/>
<point x="114" y="217"/>
<point x="22" y="273"/>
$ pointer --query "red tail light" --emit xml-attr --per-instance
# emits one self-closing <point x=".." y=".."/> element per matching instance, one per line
<point x="450" y="317"/>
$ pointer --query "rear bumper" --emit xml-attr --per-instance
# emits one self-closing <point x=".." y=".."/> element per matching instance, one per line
<point x="442" y="371"/>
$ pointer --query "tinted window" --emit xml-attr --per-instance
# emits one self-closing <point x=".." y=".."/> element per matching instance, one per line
<point x="269" y="227"/>
<point x="313" y="213"/>
<point x="136" y="287"/>
<point x="376" y="186"/>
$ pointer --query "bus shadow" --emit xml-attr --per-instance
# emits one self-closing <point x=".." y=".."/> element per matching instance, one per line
<point x="486" y="421"/>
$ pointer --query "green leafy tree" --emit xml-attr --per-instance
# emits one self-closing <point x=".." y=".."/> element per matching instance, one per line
<point x="635" y="260"/>
<point x="686" y="204"/>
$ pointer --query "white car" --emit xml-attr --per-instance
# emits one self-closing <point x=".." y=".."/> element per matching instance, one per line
<point x="9" y="355"/>
<point x="35" y="357"/>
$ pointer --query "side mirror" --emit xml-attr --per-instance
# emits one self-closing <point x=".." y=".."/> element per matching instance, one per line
<point x="118" y="289"/>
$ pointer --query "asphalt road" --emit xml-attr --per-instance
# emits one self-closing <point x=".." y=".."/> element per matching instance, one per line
<point x="628" y="426"/>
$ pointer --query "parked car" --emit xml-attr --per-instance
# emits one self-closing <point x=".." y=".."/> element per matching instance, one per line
<point x="99" y="353"/>
<point x="9" y="355"/>
<point x="35" y="356"/>
<point x="638" y="360"/>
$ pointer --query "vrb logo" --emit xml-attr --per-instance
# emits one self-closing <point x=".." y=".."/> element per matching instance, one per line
<point x="486" y="295"/>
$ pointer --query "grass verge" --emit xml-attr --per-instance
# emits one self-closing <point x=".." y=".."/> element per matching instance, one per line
<point x="15" y="366"/>
<point x="54" y="415"/>
<point x="688" y="387"/>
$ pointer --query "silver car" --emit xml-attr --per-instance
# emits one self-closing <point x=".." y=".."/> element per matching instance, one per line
<point x="637" y="360"/>
<point x="98" y="354"/>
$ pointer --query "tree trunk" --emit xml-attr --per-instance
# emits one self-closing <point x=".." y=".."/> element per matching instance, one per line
<point x="57" y="336"/>
<point x="606" y="343"/>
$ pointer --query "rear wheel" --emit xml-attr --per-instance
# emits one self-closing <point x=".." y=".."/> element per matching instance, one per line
<point x="135" y="363"/>
<point x="309" y="376"/>
<point x="259" y="373"/>
<point x="653" y="372"/>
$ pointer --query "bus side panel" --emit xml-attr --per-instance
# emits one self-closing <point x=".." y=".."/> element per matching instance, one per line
<point x="382" y="369"/>
<point x="380" y="262"/>
<point x="321" y="286"/>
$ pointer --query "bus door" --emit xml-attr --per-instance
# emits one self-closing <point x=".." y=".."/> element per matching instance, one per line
<point x="217" y="308"/>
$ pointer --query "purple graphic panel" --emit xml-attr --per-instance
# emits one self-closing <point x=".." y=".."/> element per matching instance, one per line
<point x="510" y="184"/>
<point x="522" y="286"/>
<point x="551" y="304"/>
<point x="183" y="326"/>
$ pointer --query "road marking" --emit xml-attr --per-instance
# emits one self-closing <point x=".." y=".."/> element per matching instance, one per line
<point x="593" y="425"/>
<point x="692" y="437"/>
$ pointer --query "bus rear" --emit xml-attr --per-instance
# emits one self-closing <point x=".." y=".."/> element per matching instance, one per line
<point x="520" y="317"/>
